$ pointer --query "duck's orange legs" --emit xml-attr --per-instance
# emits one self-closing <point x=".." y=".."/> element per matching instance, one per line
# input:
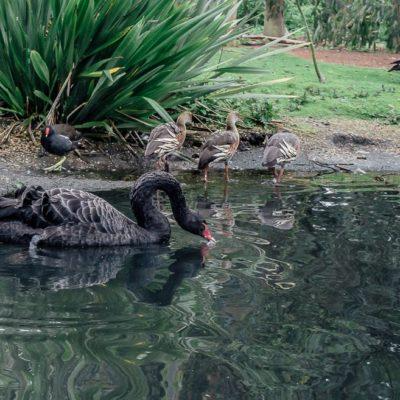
<point x="226" y="174"/>
<point x="278" y="175"/>
<point x="205" y="179"/>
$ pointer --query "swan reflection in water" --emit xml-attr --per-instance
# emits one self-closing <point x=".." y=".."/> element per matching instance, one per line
<point x="134" y="268"/>
<point x="275" y="214"/>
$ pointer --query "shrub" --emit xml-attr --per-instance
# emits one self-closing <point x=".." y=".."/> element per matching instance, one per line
<point x="116" y="60"/>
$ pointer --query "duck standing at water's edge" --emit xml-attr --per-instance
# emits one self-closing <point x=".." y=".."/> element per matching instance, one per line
<point x="166" y="139"/>
<point x="221" y="147"/>
<point x="74" y="218"/>
<point x="281" y="148"/>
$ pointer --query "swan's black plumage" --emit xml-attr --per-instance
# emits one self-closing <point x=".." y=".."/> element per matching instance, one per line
<point x="74" y="218"/>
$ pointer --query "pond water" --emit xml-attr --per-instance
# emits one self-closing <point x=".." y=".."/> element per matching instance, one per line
<point x="299" y="299"/>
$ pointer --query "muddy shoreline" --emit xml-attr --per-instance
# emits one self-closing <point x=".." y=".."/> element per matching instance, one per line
<point x="326" y="146"/>
<point x="250" y="160"/>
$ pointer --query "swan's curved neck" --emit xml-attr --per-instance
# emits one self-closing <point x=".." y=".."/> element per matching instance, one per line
<point x="147" y="214"/>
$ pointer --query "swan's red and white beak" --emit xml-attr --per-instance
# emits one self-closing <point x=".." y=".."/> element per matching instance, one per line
<point x="207" y="234"/>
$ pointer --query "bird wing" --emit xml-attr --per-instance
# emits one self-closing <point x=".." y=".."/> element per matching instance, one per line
<point x="41" y="208"/>
<point x="69" y="205"/>
<point x="68" y="131"/>
<point x="281" y="147"/>
<point x="280" y="137"/>
<point x="220" y="147"/>
<point x="163" y="140"/>
<point x="270" y="156"/>
<point x="219" y="138"/>
<point x="170" y="129"/>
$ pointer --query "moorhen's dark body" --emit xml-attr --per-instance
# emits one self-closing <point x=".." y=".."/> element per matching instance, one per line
<point x="59" y="140"/>
<point x="396" y="66"/>
<point x="73" y="218"/>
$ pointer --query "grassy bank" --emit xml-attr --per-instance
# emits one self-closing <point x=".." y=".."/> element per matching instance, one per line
<point x="349" y="92"/>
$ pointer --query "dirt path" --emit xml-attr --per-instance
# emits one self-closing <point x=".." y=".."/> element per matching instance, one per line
<point x="379" y="59"/>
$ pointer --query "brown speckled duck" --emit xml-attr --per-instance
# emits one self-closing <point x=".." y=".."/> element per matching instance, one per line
<point x="221" y="147"/>
<point x="281" y="149"/>
<point x="166" y="139"/>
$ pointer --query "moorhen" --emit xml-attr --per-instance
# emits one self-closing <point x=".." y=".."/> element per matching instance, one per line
<point x="60" y="140"/>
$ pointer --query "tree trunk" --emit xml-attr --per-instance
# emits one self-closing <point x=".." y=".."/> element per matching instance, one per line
<point x="274" y="21"/>
<point x="396" y="22"/>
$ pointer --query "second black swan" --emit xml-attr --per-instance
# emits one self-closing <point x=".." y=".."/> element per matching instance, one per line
<point x="74" y="218"/>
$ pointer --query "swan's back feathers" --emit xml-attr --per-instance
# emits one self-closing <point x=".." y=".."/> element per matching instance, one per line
<point x="89" y="235"/>
<point x="17" y="232"/>
<point x="39" y="208"/>
<point x="68" y="205"/>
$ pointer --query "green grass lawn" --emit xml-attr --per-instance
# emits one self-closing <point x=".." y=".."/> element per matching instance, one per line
<point x="349" y="92"/>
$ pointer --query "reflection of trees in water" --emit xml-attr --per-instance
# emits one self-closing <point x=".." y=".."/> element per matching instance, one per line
<point x="332" y="335"/>
<point x="99" y="341"/>
<point x="335" y="332"/>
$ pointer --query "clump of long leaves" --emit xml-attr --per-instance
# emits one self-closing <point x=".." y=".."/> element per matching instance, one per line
<point x="91" y="61"/>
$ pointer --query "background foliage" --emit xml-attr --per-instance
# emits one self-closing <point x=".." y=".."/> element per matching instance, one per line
<point x="119" y="61"/>
<point x="353" y="23"/>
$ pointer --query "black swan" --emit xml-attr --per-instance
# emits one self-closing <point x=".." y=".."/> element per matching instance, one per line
<point x="281" y="149"/>
<point x="167" y="139"/>
<point x="59" y="140"/>
<point x="73" y="218"/>
<point x="221" y="147"/>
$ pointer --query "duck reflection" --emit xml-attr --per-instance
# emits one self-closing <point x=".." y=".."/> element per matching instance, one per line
<point x="275" y="214"/>
<point x="221" y="213"/>
<point x="134" y="268"/>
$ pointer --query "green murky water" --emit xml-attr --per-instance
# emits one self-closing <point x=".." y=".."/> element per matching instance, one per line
<point x="299" y="299"/>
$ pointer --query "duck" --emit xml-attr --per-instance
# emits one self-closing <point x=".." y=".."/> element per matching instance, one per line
<point x="166" y="139"/>
<point x="221" y="147"/>
<point x="396" y="66"/>
<point x="59" y="140"/>
<point x="281" y="148"/>
<point x="66" y="218"/>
